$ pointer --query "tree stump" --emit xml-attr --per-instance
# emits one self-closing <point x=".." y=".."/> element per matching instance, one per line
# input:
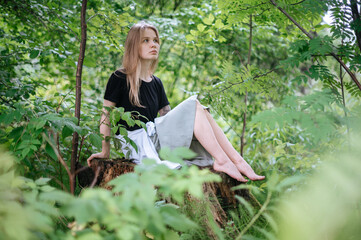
<point x="219" y="197"/>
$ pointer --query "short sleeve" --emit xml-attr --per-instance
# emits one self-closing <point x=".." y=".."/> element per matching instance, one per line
<point x="163" y="100"/>
<point x="115" y="87"/>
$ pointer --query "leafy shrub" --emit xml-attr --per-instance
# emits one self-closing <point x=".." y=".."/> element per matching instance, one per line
<point x="134" y="209"/>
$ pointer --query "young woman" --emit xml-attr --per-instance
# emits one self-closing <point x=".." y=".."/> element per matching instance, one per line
<point x="135" y="88"/>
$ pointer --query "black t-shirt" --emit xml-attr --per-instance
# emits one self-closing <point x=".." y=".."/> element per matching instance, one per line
<point x="151" y="95"/>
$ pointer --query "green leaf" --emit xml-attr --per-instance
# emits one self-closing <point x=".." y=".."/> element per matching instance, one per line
<point x="90" y="62"/>
<point x="201" y="27"/>
<point x="49" y="150"/>
<point x="246" y="204"/>
<point x="219" y="24"/>
<point x="208" y="20"/>
<point x="42" y="181"/>
<point x="194" y="33"/>
<point x="66" y="132"/>
<point x="40" y="124"/>
<point x="96" y="140"/>
<point x="34" y="53"/>
<point x="57" y="196"/>
<point x="190" y="37"/>
<point x="176" y="220"/>
<point x="25" y="152"/>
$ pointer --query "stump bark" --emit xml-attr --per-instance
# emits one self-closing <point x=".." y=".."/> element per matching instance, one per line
<point x="219" y="196"/>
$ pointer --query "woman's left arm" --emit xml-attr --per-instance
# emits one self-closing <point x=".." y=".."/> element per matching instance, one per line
<point x="163" y="111"/>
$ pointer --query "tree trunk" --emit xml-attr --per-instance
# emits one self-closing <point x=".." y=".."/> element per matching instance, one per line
<point x="356" y="22"/>
<point x="75" y="141"/>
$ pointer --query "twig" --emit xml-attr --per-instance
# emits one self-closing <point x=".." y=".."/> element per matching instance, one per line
<point x="91" y="17"/>
<point x="62" y="100"/>
<point x="297" y="2"/>
<point x="246" y="92"/>
<point x="226" y="122"/>
<point x="254" y="219"/>
<point x="95" y="177"/>
<point x="80" y="170"/>
<point x="59" y="182"/>
<point x="80" y="148"/>
<point x="236" y="83"/>
<point x="58" y="147"/>
<point x="60" y="158"/>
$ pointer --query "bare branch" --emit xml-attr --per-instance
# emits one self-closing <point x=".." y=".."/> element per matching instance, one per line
<point x="95" y="177"/>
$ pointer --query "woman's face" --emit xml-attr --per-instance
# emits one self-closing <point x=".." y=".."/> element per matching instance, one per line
<point x="149" y="45"/>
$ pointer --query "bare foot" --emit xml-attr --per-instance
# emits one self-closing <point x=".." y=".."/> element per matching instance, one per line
<point x="246" y="170"/>
<point x="229" y="168"/>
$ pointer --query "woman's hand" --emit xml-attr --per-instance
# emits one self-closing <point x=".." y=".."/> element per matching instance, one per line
<point x="97" y="155"/>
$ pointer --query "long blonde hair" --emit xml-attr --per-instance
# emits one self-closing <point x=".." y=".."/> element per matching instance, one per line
<point x="131" y="61"/>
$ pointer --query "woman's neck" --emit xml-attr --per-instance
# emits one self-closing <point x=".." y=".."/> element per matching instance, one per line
<point x="145" y="71"/>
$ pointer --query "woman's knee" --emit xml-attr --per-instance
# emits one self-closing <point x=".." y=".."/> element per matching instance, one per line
<point x="198" y="105"/>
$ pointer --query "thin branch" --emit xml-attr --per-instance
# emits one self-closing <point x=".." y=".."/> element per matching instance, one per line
<point x="60" y="158"/>
<point x="292" y="20"/>
<point x="254" y="219"/>
<point x="81" y="146"/>
<point x="260" y="14"/>
<point x="63" y="187"/>
<point x="95" y="177"/>
<point x="353" y="77"/>
<point x="246" y="92"/>
<point x="62" y="100"/>
<point x="91" y="17"/>
<point x="80" y="170"/>
<point x="226" y="121"/>
<point x="297" y="2"/>
<point x="239" y="56"/>
<point x="236" y="83"/>
<point x="58" y="147"/>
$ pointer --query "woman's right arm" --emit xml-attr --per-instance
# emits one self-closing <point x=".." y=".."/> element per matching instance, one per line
<point x="105" y="131"/>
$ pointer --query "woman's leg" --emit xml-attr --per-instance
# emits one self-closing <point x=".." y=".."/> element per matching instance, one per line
<point x="227" y="147"/>
<point x="204" y="133"/>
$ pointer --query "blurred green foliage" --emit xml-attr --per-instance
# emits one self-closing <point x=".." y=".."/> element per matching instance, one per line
<point x="134" y="208"/>
<point x="328" y="206"/>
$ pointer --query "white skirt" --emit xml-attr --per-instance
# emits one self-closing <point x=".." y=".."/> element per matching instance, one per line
<point x="175" y="129"/>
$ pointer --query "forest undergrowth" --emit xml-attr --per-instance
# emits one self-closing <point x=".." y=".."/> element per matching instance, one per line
<point x="281" y="81"/>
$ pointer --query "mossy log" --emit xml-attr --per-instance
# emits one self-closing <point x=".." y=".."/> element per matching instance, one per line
<point x="219" y="196"/>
